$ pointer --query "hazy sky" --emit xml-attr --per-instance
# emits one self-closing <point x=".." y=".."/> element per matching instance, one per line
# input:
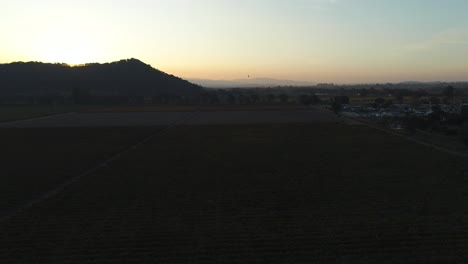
<point x="316" y="40"/>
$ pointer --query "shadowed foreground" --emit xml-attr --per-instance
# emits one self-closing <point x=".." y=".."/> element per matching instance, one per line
<point x="148" y="119"/>
<point x="35" y="161"/>
<point x="293" y="193"/>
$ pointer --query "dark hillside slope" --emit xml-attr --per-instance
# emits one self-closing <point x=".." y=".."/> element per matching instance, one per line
<point x="124" y="78"/>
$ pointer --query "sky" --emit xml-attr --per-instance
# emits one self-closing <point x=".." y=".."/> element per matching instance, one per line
<point x="339" y="41"/>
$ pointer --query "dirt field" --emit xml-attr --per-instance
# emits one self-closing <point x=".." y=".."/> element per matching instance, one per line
<point x="270" y="193"/>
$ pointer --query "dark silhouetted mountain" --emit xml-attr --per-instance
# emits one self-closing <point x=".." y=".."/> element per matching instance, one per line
<point x="124" y="78"/>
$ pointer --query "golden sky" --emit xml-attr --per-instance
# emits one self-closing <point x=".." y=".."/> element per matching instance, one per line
<point x="314" y="40"/>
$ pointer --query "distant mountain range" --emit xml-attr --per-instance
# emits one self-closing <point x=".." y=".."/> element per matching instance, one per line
<point x="122" y="78"/>
<point x="250" y="82"/>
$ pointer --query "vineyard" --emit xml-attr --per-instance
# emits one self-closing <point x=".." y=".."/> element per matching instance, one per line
<point x="36" y="160"/>
<point x="284" y="193"/>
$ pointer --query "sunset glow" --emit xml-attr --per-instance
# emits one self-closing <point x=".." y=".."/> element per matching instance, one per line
<point x="314" y="40"/>
<point x="68" y="50"/>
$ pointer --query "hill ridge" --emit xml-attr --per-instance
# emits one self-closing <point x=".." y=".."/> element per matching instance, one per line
<point x="127" y="77"/>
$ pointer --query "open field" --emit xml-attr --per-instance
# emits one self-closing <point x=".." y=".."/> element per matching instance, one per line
<point x="145" y="119"/>
<point x="11" y="113"/>
<point x="36" y="160"/>
<point x="272" y="193"/>
<point x="449" y="142"/>
<point x="178" y="108"/>
<point x="14" y="113"/>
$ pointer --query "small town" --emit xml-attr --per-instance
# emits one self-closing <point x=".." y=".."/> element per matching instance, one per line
<point x="395" y="115"/>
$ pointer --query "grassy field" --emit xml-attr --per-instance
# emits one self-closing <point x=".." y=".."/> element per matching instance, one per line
<point x="296" y="193"/>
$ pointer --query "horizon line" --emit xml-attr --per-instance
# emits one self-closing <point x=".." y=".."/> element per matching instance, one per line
<point x="312" y="82"/>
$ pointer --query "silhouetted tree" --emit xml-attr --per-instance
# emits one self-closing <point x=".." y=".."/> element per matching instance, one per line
<point x="305" y="99"/>
<point x="387" y="104"/>
<point x="243" y="99"/>
<point x="231" y="99"/>
<point x="434" y="100"/>
<point x="336" y="107"/>
<point x="308" y="99"/>
<point x="464" y="112"/>
<point x="449" y="91"/>
<point x="255" y="98"/>
<point x="420" y="93"/>
<point x="364" y="92"/>
<point x="81" y="96"/>
<point x="284" y="98"/>
<point x="400" y="98"/>
<point x="342" y="100"/>
<point x="464" y="132"/>
<point x="271" y="98"/>
<point x="379" y="102"/>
